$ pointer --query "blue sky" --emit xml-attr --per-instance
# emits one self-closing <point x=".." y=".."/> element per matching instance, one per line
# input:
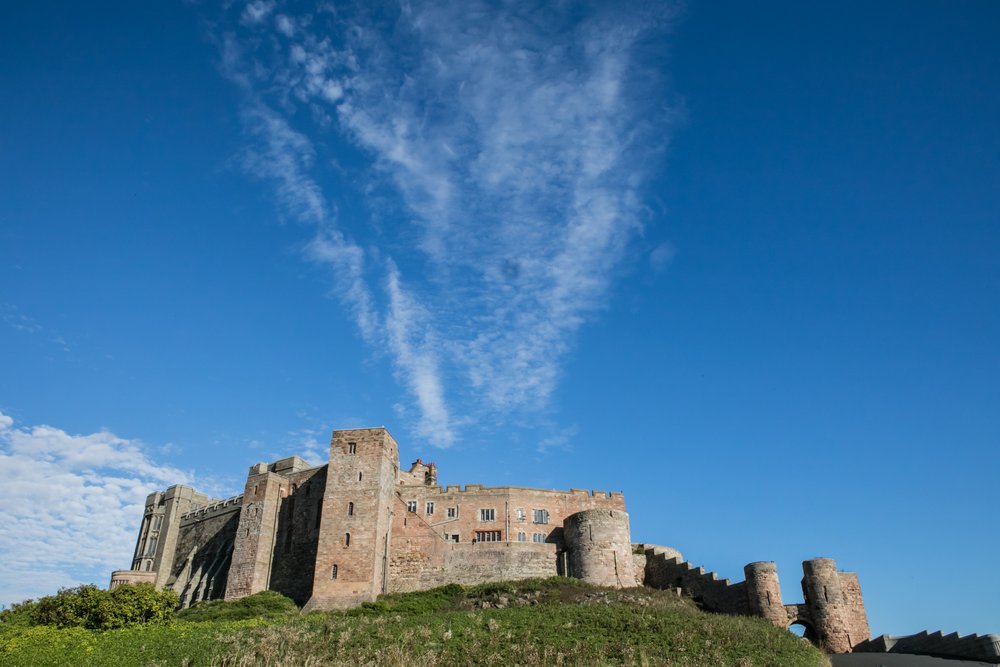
<point x="737" y="260"/>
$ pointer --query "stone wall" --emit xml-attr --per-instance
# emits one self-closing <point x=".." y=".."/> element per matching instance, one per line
<point x="204" y="551"/>
<point x="713" y="593"/>
<point x="119" y="577"/>
<point x="413" y="567"/>
<point x="518" y="514"/>
<point x="294" y="554"/>
<point x="833" y="613"/>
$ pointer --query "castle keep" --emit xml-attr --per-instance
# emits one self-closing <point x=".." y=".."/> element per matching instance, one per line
<point x="337" y="535"/>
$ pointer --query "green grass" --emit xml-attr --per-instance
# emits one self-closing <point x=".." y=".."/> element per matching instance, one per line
<point x="267" y="605"/>
<point x="535" y="622"/>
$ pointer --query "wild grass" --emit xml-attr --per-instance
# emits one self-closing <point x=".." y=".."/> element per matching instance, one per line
<point x="538" y="622"/>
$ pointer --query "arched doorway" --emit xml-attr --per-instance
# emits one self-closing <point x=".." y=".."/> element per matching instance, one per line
<point x="800" y="627"/>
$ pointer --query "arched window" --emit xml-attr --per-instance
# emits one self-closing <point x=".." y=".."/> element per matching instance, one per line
<point x="333" y="572"/>
<point x="350" y="509"/>
<point x="347" y="539"/>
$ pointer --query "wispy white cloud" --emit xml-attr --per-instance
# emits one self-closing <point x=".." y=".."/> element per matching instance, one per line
<point x="515" y="137"/>
<point x="661" y="256"/>
<point x="70" y="505"/>
<point x="413" y="345"/>
<point x="256" y="11"/>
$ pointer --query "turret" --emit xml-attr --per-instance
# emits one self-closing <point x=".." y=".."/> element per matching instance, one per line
<point x="599" y="546"/>
<point x="835" y="605"/>
<point x="764" y="592"/>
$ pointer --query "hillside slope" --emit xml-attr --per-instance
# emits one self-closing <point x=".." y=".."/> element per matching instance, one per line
<point x="534" y="622"/>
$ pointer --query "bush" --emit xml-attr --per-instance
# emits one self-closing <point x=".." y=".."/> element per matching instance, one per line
<point x="94" y="608"/>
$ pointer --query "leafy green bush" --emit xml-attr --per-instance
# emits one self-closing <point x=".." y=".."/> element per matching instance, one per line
<point x="266" y="604"/>
<point x="94" y="608"/>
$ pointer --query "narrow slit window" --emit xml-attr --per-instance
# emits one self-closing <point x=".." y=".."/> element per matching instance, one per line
<point x="347" y="539"/>
<point x="333" y="572"/>
<point x="350" y="509"/>
<point x="352" y="448"/>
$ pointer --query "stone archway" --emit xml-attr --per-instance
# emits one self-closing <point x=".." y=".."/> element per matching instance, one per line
<point x="808" y="632"/>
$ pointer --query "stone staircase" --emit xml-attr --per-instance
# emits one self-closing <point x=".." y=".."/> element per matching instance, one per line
<point x="666" y="569"/>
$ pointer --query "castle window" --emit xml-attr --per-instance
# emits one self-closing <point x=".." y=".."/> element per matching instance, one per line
<point x="151" y="546"/>
<point x="538" y="538"/>
<point x="352" y="448"/>
<point x="454" y="537"/>
<point x="521" y="537"/>
<point x="350" y="509"/>
<point x="520" y="514"/>
<point x="333" y="572"/>
<point x="488" y="514"/>
<point x="347" y="539"/>
<point x="149" y="565"/>
<point x="157" y="521"/>
<point x="430" y="508"/>
<point x="452" y="512"/>
<point x="541" y="516"/>
<point x="488" y="536"/>
<point x="360" y="475"/>
<point x="411" y="506"/>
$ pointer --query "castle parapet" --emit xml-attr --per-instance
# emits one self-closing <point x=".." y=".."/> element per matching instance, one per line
<point x="233" y="504"/>
<point x="119" y="577"/>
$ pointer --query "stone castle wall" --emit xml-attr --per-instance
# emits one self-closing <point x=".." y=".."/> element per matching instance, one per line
<point x="204" y="550"/>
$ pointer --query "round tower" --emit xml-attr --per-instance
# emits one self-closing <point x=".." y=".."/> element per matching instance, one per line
<point x="598" y="543"/>
<point x="764" y="592"/>
<point x="827" y="606"/>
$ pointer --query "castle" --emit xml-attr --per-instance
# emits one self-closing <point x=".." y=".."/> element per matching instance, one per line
<point x="337" y="535"/>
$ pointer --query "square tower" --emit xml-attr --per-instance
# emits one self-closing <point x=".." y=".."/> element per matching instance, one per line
<point x="356" y="519"/>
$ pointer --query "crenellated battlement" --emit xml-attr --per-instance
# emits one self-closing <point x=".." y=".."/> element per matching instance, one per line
<point x="213" y="509"/>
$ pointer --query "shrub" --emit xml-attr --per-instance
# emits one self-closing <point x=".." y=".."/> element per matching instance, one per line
<point x="94" y="608"/>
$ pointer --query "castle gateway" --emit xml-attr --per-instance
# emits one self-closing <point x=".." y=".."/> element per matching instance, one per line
<point x="337" y="535"/>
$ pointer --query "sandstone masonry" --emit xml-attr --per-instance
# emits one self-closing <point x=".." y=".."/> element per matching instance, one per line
<point x="337" y="535"/>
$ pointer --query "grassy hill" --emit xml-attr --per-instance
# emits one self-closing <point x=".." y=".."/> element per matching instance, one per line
<point x="534" y="622"/>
